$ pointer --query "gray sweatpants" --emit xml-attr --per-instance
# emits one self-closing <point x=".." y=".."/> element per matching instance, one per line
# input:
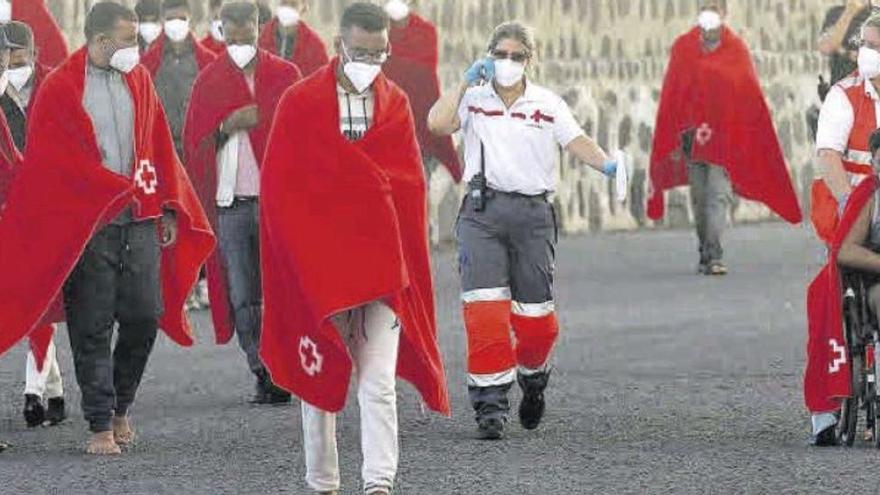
<point x="238" y="231"/>
<point x="711" y="195"/>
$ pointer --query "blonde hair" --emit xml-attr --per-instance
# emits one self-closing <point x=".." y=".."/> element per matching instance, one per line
<point x="514" y="30"/>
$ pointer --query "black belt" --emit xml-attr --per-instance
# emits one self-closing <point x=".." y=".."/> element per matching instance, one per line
<point x="241" y="200"/>
<point x="494" y="192"/>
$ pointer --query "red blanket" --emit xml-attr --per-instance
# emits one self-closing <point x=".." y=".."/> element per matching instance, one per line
<point x="216" y="47"/>
<point x="63" y="195"/>
<point x="310" y="53"/>
<point x="10" y="159"/>
<point x="48" y="39"/>
<point x="152" y="60"/>
<point x="413" y="67"/>
<point x="218" y="91"/>
<point x="344" y="224"/>
<point x="718" y="95"/>
<point x="827" y="378"/>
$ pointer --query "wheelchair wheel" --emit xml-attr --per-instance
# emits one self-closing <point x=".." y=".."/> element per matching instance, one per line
<point x="849" y="413"/>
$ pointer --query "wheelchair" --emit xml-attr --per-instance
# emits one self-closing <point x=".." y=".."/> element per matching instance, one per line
<point x="863" y="348"/>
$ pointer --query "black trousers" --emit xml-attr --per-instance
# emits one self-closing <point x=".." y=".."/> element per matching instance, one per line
<point x="116" y="279"/>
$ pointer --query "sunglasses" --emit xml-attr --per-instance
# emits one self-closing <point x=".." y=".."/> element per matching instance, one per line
<point x="515" y="56"/>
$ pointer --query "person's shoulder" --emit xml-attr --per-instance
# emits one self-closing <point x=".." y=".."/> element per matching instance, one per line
<point x="851" y="81"/>
<point x="545" y="94"/>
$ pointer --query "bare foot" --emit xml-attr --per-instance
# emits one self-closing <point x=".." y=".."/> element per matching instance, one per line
<point x="103" y="444"/>
<point x="122" y="431"/>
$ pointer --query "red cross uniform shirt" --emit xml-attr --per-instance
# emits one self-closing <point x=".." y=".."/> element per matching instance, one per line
<point x="521" y="142"/>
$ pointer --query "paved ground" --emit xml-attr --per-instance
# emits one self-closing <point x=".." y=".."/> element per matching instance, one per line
<point x="666" y="383"/>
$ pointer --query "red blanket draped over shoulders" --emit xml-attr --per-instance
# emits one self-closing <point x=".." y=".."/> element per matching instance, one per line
<point x="344" y="224"/>
<point x="216" y="47"/>
<point x="309" y="55"/>
<point x="827" y="378"/>
<point x="48" y="39"/>
<point x="718" y="95"/>
<point x="63" y="194"/>
<point x="152" y="59"/>
<point x="413" y="67"/>
<point x="220" y="90"/>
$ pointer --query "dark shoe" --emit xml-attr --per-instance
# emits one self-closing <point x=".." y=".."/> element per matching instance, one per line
<point x="531" y="409"/>
<point x="4" y="446"/>
<point x="34" y="412"/>
<point x="57" y="412"/>
<point x="277" y="395"/>
<point x="825" y="438"/>
<point x="268" y="393"/>
<point x="490" y="429"/>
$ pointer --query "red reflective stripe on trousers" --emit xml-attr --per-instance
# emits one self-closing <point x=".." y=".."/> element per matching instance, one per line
<point x="490" y="349"/>
<point x="535" y="338"/>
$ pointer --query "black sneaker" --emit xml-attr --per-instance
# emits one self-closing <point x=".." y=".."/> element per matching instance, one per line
<point x="34" y="412"/>
<point x="4" y="446"/>
<point x="531" y="409"/>
<point x="490" y="429"/>
<point x="825" y="438"/>
<point x="277" y="395"/>
<point x="268" y="393"/>
<point x="57" y="412"/>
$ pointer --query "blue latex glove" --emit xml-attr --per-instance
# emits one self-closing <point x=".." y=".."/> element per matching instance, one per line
<point x="841" y="204"/>
<point x="483" y="68"/>
<point x="610" y="168"/>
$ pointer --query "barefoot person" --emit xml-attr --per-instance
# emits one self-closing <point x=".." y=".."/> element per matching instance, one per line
<point x="346" y="267"/>
<point x="230" y="115"/>
<point x="123" y="236"/>
<point x="290" y="37"/>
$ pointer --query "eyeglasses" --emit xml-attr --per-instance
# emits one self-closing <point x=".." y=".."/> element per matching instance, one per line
<point x="515" y="56"/>
<point x="366" y="56"/>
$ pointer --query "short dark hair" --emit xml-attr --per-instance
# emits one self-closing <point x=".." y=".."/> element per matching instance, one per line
<point x="874" y="142"/>
<point x="19" y="33"/>
<point x="148" y="8"/>
<point x="216" y="4"/>
<point x="367" y="16"/>
<point x="104" y="16"/>
<point x="175" y="4"/>
<point x="239" y="12"/>
<point x="265" y="13"/>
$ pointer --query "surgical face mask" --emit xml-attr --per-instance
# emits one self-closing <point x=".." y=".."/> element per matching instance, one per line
<point x="149" y="31"/>
<point x="241" y="54"/>
<point x="709" y="20"/>
<point x="397" y="10"/>
<point x="869" y="63"/>
<point x="177" y="30"/>
<point x="217" y="30"/>
<point x="125" y="59"/>
<point x="20" y="76"/>
<point x="508" y="73"/>
<point x="360" y="74"/>
<point x="5" y="11"/>
<point x="287" y="16"/>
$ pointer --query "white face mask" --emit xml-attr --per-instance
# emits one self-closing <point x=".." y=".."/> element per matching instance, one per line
<point x="241" y="54"/>
<point x="5" y="11"/>
<point x="508" y="73"/>
<point x="709" y="20"/>
<point x="869" y="63"/>
<point x="4" y="83"/>
<point x="217" y="30"/>
<point x="397" y="10"/>
<point x="20" y="76"/>
<point x="177" y="30"/>
<point x="287" y="16"/>
<point x="149" y="31"/>
<point x="125" y="59"/>
<point x="361" y="74"/>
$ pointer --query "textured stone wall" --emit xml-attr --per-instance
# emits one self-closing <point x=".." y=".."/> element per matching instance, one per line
<point x="607" y="58"/>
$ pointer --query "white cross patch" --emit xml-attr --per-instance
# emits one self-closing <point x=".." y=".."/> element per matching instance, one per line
<point x="704" y="134"/>
<point x="145" y="177"/>
<point x="840" y="360"/>
<point x="310" y="359"/>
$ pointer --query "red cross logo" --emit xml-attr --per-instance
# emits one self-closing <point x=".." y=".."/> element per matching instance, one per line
<point x="704" y="134"/>
<point x="145" y="177"/>
<point x="538" y="117"/>
<point x="311" y="360"/>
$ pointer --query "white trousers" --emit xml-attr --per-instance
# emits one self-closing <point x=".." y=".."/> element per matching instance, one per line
<point x="47" y="383"/>
<point x="372" y="333"/>
<point x="438" y="185"/>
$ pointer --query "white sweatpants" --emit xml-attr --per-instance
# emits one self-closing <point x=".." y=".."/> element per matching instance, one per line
<point x="372" y="333"/>
<point x="438" y="185"/>
<point x="47" y="383"/>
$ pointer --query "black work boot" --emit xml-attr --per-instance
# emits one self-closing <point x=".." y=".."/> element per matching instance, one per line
<point x="531" y="409"/>
<point x="267" y="392"/>
<point x="492" y="407"/>
<point x="57" y="412"/>
<point x="34" y="412"/>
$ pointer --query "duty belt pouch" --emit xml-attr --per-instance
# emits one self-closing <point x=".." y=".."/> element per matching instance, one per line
<point x="478" y="184"/>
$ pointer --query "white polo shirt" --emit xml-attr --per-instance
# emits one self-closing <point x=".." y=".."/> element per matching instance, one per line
<point x="837" y="116"/>
<point x="521" y="142"/>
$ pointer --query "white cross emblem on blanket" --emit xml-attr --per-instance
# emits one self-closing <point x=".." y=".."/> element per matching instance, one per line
<point x="310" y="359"/>
<point x="145" y="177"/>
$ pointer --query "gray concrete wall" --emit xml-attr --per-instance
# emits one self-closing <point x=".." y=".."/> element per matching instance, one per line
<point x="607" y="58"/>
